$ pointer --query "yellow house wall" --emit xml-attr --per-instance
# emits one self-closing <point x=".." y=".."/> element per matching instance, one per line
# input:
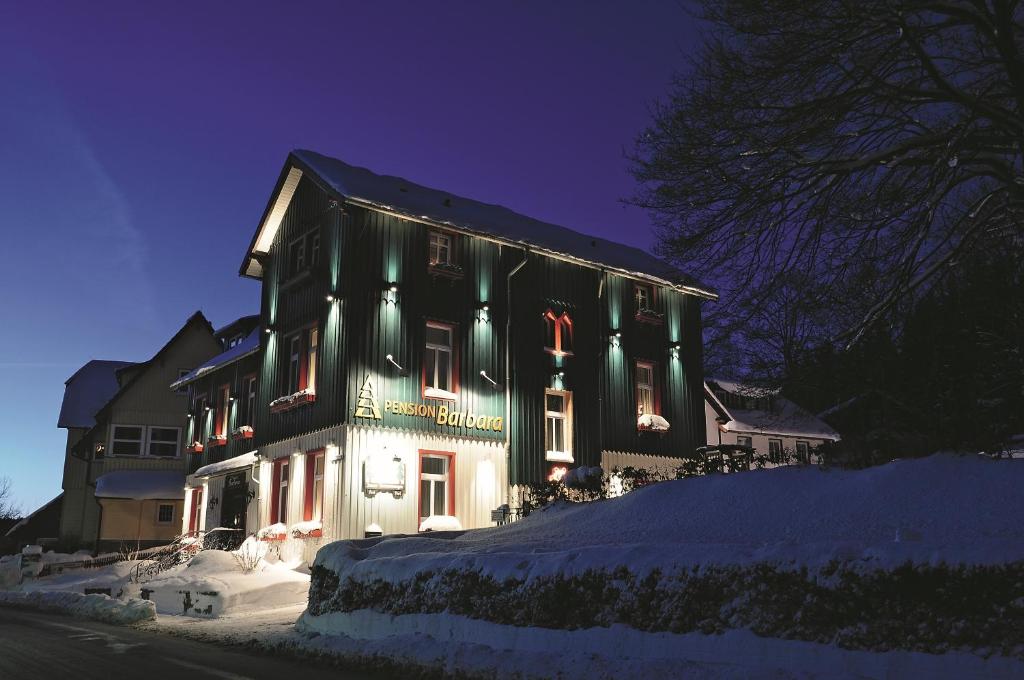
<point x="130" y="520"/>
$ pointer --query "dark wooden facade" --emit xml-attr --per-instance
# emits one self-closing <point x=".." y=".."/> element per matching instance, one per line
<point x="346" y="294"/>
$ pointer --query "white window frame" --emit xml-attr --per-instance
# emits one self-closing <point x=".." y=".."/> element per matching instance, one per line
<point x="250" y="400"/>
<point x="294" y="362"/>
<point x="312" y="350"/>
<point x="438" y="243"/>
<point x="143" y="448"/>
<point x="771" y="441"/>
<point x="314" y="248"/>
<point x="159" y="506"/>
<point x="177" y="441"/>
<point x="282" y="492"/>
<point x="647" y="293"/>
<point x="806" y="455"/>
<point x="319" y="461"/>
<point x="431" y="381"/>
<point x="647" y="387"/>
<point x="749" y="440"/>
<point x="435" y="478"/>
<point x="565" y="417"/>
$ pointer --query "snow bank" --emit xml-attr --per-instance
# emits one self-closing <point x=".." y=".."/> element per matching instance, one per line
<point x="213" y="583"/>
<point x="95" y="607"/>
<point x="944" y="508"/>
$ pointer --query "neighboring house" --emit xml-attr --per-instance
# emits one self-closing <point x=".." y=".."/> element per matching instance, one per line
<point x="763" y="420"/>
<point x="223" y="402"/>
<point x="41" y="527"/>
<point x="879" y="426"/>
<point x="121" y="418"/>
<point x="425" y="357"/>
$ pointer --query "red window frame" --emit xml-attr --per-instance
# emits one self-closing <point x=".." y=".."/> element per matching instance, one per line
<point x="560" y="321"/>
<point x="453" y="328"/>
<point x="655" y="386"/>
<point x="451" y="480"/>
<point x="303" y="335"/>
<point x="250" y="380"/>
<point x="193" y="512"/>
<point x="307" y="503"/>
<point x="275" y="490"/>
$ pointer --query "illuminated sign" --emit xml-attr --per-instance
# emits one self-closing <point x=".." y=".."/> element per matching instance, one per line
<point x="441" y="414"/>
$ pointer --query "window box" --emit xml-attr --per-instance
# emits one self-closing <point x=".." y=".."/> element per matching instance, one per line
<point x="650" y="316"/>
<point x="308" y="529"/>
<point x="446" y="270"/>
<point x="244" y="432"/>
<point x="287" y="403"/>
<point x="194" y="447"/>
<point x="650" y="422"/>
<point x="217" y="440"/>
<point x="274" y="532"/>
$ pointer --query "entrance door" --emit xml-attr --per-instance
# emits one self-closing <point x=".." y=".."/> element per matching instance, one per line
<point x="235" y="502"/>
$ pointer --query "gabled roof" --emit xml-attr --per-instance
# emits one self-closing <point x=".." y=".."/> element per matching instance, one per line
<point x="87" y="391"/>
<point x="250" y="345"/>
<point x="242" y="325"/>
<point x="399" y="196"/>
<point x="785" y="418"/>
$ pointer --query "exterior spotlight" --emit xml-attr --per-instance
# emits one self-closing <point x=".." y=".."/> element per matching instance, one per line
<point x="329" y="298"/>
<point x="206" y="408"/>
<point x="393" y="287"/>
<point x="268" y="330"/>
<point x="401" y="371"/>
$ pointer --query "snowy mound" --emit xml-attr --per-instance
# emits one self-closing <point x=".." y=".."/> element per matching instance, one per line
<point x="940" y="509"/>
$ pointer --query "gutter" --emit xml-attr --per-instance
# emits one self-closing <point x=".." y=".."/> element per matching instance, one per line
<point x="508" y="368"/>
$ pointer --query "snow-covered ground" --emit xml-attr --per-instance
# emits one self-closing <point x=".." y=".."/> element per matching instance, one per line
<point x="94" y="606"/>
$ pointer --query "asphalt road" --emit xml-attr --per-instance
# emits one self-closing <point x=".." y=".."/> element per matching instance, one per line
<point x="35" y="646"/>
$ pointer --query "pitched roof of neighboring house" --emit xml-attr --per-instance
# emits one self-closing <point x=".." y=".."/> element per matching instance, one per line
<point x="87" y="391"/>
<point x="784" y="418"/>
<point x="240" y="326"/>
<point x="360" y="186"/>
<point x="59" y="498"/>
<point x="250" y="345"/>
<point x="141" y="485"/>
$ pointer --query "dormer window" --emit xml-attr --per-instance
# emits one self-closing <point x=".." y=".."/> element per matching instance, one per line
<point x="558" y="333"/>
<point x="440" y="249"/>
<point x="304" y="253"/>
<point x="297" y="256"/>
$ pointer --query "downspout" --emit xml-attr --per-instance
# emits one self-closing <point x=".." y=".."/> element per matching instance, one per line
<point x="508" y="370"/>
<point x="600" y="368"/>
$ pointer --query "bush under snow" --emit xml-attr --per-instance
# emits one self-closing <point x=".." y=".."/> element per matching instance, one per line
<point x="93" y="606"/>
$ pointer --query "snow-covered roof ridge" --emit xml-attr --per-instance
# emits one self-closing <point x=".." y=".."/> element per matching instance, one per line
<point x="415" y="201"/>
<point x="242" y="461"/>
<point x="744" y="389"/>
<point x="249" y="345"/>
<point x="88" y="390"/>
<point x="784" y="418"/>
<point x="141" y="485"/>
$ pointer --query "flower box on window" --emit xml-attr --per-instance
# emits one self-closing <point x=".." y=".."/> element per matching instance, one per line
<point x="291" y="401"/>
<point x="650" y="422"/>
<point x="650" y="316"/>
<point x="244" y="432"/>
<point x="194" y="447"/>
<point x="310" y="529"/>
<point x="274" y="532"/>
<point x="217" y="440"/>
<point x="446" y="270"/>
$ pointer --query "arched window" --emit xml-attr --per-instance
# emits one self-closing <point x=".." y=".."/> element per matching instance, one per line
<point x="558" y="337"/>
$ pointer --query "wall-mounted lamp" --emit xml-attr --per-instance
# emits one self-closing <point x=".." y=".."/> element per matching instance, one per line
<point x="268" y="330"/>
<point x="614" y="333"/>
<point x="484" y="306"/>
<point x="401" y="371"/>
<point x="495" y="384"/>
<point x="330" y="297"/>
<point x="393" y="287"/>
<point x="206" y="408"/>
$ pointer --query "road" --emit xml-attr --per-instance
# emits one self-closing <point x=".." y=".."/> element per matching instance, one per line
<point x="35" y="645"/>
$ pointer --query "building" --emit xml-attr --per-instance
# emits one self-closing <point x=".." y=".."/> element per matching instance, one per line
<point x="428" y="356"/>
<point x="762" y="419"/>
<point x="40" y="527"/>
<point x="124" y="468"/>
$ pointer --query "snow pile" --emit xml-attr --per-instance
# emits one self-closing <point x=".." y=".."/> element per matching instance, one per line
<point x="242" y="461"/>
<point x="438" y="393"/>
<point x="441" y="523"/>
<point x="93" y="606"/>
<point x="272" y="532"/>
<point x="652" y="422"/>
<point x="10" y="571"/>
<point x="214" y="583"/>
<point x="308" y="529"/>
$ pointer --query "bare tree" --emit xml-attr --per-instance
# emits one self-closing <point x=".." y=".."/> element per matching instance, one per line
<point x="8" y="509"/>
<point x="831" y="138"/>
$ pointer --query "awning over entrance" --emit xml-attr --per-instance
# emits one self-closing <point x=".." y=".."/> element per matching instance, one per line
<point x="141" y="485"/>
<point x="243" y="461"/>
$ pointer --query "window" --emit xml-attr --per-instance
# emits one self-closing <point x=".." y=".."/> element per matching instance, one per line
<point x="302" y="351"/>
<point x="314" y="249"/>
<point x="126" y="440"/>
<point x="199" y="419"/>
<point x="744" y="441"/>
<point x="558" y="425"/>
<point x="438" y="364"/>
<point x="435" y="485"/>
<point x="440" y="248"/>
<point x="235" y="340"/>
<point x="297" y="256"/>
<point x="558" y="338"/>
<point x="313" y="509"/>
<point x="164" y="513"/>
<point x="163" y="442"/>
<point x="220" y="424"/>
<point x="644" y="298"/>
<point x="249" y="387"/>
<point x="775" y="450"/>
<point x="279" y="492"/>
<point x="803" y="451"/>
<point x="182" y="372"/>
<point x="646" y="394"/>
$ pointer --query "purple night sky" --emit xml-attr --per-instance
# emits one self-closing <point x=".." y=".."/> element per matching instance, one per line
<point x="140" y="143"/>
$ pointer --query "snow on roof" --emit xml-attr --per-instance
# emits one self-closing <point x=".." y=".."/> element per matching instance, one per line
<point x="245" y="460"/>
<point x="141" y="485"/>
<point x="250" y="344"/>
<point x="785" y="419"/>
<point x="743" y="389"/>
<point x="957" y="509"/>
<point x="87" y="391"/>
<point x="441" y="207"/>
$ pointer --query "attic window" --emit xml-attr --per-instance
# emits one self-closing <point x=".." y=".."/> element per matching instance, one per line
<point x="558" y="333"/>
<point x="440" y="249"/>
